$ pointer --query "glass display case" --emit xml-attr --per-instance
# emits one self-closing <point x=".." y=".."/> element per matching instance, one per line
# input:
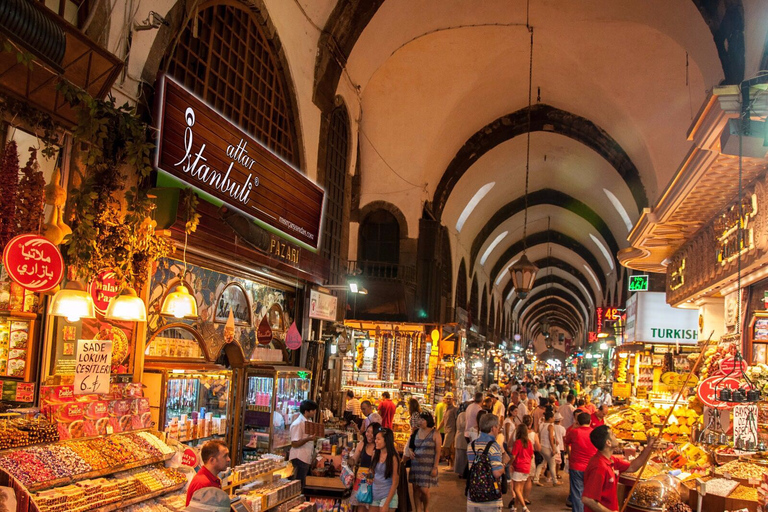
<point x="272" y="399"/>
<point x="193" y="405"/>
<point x="190" y="398"/>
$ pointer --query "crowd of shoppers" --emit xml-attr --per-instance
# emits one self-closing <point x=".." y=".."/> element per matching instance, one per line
<point x="530" y="428"/>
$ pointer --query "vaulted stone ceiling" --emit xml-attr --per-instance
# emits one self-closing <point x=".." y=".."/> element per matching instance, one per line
<point x="442" y="88"/>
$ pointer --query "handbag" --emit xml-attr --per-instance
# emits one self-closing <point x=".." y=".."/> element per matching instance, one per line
<point x="538" y="457"/>
<point x="365" y="493"/>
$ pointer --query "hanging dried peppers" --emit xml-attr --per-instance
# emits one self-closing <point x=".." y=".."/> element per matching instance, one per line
<point x="30" y="201"/>
<point x="9" y="183"/>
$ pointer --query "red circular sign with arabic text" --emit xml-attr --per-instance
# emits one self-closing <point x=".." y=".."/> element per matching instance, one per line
<point x="709" y="390"/>
<point x="103" y="289"/>
<point x="728" y="366"/>
<point x="33" y="262"/>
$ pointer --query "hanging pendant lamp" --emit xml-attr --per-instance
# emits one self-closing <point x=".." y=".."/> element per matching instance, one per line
<point x="127" y="307"/>
<point x="180" y="303"/>
<point x="523" y="271"/>
<point x="72" y="302"/>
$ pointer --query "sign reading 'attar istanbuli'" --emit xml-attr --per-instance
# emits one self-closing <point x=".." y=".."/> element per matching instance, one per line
<point x="204" y="149"/>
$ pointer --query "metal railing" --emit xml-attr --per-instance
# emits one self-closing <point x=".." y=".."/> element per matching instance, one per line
<point x="382" y="271"/>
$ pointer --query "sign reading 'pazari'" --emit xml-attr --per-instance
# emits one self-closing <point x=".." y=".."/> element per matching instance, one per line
<point x="204" y="149"/>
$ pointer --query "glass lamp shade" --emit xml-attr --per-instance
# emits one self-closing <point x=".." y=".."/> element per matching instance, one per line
<point x="523" y="275"/>
<point x="179" y="304"/>
<point x="127" y="307"/>
<point x="72" y="302"/>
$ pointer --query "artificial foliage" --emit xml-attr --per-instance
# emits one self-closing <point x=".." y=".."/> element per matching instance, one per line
<point x="112" y="225"/>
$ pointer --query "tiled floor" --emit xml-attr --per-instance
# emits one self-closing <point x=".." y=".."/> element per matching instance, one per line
<point x="449" y="495"/>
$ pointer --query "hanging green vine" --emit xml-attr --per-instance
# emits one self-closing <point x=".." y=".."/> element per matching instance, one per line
<point x="105" y="232"/>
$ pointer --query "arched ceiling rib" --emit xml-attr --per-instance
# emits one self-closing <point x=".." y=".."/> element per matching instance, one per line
<point x="543" y="118"/>
<point x="543" y="217"/>
<point x="554" y="280"/>
<point x="549" y="307"/>
<point x="563" y="270"/>
<point x="548" y="197"/>
<point x="549" y="237"/>
<point x="545" y="294"/>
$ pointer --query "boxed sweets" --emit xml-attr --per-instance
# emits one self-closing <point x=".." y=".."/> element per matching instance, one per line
<point x="68" y="417"/>
<point x="96" y="418"/>
<point x="141" y="417"/>
<point x="120" y="415"/>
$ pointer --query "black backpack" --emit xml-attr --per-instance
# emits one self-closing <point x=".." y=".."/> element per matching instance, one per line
<point x="482" y="486"/>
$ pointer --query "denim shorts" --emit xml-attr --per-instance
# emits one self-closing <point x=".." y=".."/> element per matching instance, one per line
<point x="392" y="504"/>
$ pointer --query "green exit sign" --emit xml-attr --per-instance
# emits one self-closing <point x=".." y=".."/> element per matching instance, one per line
<point x="638" y="283"/>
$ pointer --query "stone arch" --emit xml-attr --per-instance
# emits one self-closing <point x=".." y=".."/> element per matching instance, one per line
<point x="391" y="208"/>
<point x="484" y="308"/>
<point x="179" y="18"/>
<point x="549" y="197"/>
<point x="461" y="286"/>
<point x="556" y="238"/>
<point x="474" y="299"/>
<point x="543" y="118"/>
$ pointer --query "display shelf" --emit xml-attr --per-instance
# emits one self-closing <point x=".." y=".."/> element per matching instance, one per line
<point x="46" y="443"/>
<point x="251" y="479"/>
<point x="138" y="499"/>
<point x="281" y="502"/>
<point x="98" y="473"/>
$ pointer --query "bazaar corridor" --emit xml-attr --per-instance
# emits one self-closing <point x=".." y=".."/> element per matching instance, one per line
<point x="449" y="495"/>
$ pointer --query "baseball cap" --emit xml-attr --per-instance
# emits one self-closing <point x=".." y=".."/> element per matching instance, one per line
<point x="209" y="499"/>
<point x="449" y="395"/>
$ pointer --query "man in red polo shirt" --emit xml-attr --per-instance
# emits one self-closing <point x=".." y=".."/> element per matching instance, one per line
<point x="386" y="410"/>
<point x="598" y="417"/>
<point x="600" y="477"/>
<point x="215" y="457"/>
<point x="580" y="452"/>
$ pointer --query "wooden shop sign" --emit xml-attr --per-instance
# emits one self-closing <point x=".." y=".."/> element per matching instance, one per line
<point x="204" y="149"/>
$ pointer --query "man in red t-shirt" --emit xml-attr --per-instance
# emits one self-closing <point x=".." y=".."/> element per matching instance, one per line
<point x="580" y="450"/>
<point x="598" y="418"/>
<point x="386" y="410"/>
<point x="215" y="457"/>
<point x="600" y="485"/>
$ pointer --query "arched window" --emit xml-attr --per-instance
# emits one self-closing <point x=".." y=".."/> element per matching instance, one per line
<point x="335" y="169"/>
<point x="228" y="61"/>
<point x="380" y="238"/>
<point x="461" y="286"/>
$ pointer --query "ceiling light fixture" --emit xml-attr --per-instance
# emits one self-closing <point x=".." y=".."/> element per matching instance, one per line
<point x="180" y="303"/>
<point x="523" y="271"/>
<point x="72" y="302"/>
<point x="127" y="307"/>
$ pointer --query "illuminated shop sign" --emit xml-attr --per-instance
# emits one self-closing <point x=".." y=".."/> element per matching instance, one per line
<point x="733" y="227"/>
<point x="200" y="147"/>
<point x="638" y="283"/>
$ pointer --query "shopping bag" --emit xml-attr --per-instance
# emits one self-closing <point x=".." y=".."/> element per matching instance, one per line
<point x="347" y="475"/>
<point x="365" y="493"/>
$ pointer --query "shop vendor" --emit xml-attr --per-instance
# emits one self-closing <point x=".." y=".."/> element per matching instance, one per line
<point x="301" y="443"/>
<point x="215" y="457"/>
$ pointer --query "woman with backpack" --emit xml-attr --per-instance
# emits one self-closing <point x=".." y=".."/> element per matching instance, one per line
<point x="522" y="458"/>
<point x="424" y="453"/>
<point x="386" y="472"/>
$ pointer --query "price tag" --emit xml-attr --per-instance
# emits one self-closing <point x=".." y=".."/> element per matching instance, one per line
<point x="93" y="365"/>
<point x="754" y="482"/>
<point x="110" y="430"/>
